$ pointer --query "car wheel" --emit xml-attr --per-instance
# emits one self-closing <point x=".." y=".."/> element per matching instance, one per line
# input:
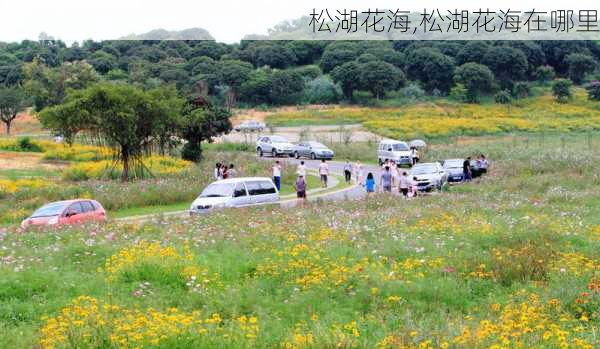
<point x="259" y="152"/>
<point x="274" y="153"/>
<point x="297" y="155"/>
<point x="313" y="156"/>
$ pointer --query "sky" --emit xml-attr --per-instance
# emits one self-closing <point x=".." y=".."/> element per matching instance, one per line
<point x="227" y="20"/>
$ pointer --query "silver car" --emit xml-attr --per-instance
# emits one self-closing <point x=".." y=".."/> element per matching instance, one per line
<point x="454" y="169"/>
<point x="429" y="176"/>
<point x="235" y="192"/>
<point x="250" y="126"/>
<point x="313" y="150"/>
<point x="274" y="145"/>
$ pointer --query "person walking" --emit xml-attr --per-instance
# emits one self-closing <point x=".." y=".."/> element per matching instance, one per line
<point x="301" y="170"/>
<point x="348" y="171"/>
<point x="359" y="173"/>
<point x="300" y="187"/>
<point x="483" y="164"/>
<point x="414" y="154"/>
<point x="467" y="174"/>
<point x="405" y="184"/>
<point x="386" y="180"/>
<point x="414" y="186"/>
<point x="370" y="184"/>
<point x="324" y="172"/>
<point x="277" y="175"/>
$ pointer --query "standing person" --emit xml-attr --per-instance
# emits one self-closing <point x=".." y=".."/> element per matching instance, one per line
<point x="414" y="155"/>
<point x="394" y="171"/>
<point x="359" y="173"/>
<point x="217" y="172"/>
<point x="300" y="187"/>
<point x="231" y="173"/>
<point x="405" y="184"/>
<point x="324" y="172"/>
<point x="348" y="171"/>
<point x="301" y="170"/>
<point x="370" y="184"/>
<point x="414" y="185"/>
<point x="483" y="164"/>
<point x="467" y="175"/>
<point x="225" y="171"/>
<point x="386" y="180"/>
<point x="277" y="175"/>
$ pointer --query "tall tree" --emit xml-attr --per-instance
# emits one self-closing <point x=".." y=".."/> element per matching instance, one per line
<point x="476" y="78"/>
<point x="580" y="64"/>
<point x="378" y="77"/>
<point x="125" y="118"/>
<point x="347" y="76"/>
<point x="431" y="67"/>
<point x="12" y="101"/>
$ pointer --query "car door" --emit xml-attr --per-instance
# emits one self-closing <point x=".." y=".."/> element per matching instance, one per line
<point x="253" y="189"/>
<point x="74" y="214"/>
<point x="240" y="195"/>
<point x="88" y="211"/>
<point x="304" y="149"/>
<point x="268" y="192"/>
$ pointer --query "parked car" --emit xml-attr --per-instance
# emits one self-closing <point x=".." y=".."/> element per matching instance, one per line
<point x="274" y="145"/>
<point x="454" y="169"/>
<point x="429" y="175"/>
<point x="397" y="151"/>
<point x="313" y="150"/>
<point x="235" y="192"/>
<point x="250" y="126"/>
<point x="66" y="213"/>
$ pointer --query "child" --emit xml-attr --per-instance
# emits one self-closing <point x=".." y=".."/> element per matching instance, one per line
<point x="414" y="187"/>
<point x="405" y="184"/>
<point x="370" y="184"/>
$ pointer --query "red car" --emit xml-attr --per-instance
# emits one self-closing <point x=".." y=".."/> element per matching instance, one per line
<point x="66" y="213"/>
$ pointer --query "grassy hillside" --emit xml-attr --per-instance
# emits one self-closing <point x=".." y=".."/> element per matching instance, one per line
<point x="510" y="261"/>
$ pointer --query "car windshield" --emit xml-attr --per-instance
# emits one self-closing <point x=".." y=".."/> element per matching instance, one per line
<point x="49" y="210"/>
<point x="419" y="170"/>
<point x="317" y="145"/>
<point x="277" y="139"/>
<point x="400" y="147"/>
<point x="218" y="190"/>
<point x="453" y="164"/>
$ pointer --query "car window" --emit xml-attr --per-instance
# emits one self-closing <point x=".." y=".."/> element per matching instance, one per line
<point x="53" y="209"/>
<point x="400" y="147"/>
<point x="75" y="207"/>
<point x="267" y="188"/>
<point x="87" y="206"/>
<point x="239" y="191"/>
<point x="216" y="190"/>
<point x="253" y="188"/>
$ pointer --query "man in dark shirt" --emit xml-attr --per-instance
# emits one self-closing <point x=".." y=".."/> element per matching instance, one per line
<point x="467" y="170"/>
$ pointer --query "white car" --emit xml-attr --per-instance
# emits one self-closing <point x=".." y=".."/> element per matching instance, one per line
<point x="250" y="126"/>
<point x="454" y="169"/>
<point x="274" y="145"/>
<point x="235" y="192"/>
<point x="429" y="176"/>
<point x="397" y="151"/>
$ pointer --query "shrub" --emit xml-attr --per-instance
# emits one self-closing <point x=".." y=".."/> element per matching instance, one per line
<point x="413" y="92"/>
<point x="521" y="90"/>
<point x="561" y="89"/>
<point x="322" y="90"/>
<point x="593" y="90"/>
<point x="502" y="97"/>
<point x="25" y="144"/>
<point x="544" y="74"/>
<point x="459" y="93"/>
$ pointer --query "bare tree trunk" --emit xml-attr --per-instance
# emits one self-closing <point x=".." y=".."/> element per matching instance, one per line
<point x="125" y="173"/>
<point x="8" y="124"/>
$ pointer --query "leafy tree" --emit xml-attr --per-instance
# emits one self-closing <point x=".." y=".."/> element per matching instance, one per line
<point x="12" y="101"/>
<point x="593" y="90"/>
<point x="533" y="52"/>
<point x="522" y="89"/>
<point x="579" y="64"/>
<point x="476" y="78"/>
<point x="431" y="67"/>
<point x="322" y="90"/>
<point x="102" y="61"/>
<point x="275" y="56"/>
<point x="337" y="54"/>
<point x="544" y="74"/>
<point x="366" y="58"/>
<point x="257" y="88"/>
<point x="309" y="72"/>
<point x="306" y="52"/>
<point x="10" y="69"/>
<point x="378" y="77"/>
<point x="122" y="116"/>
<point x="502" y="97"/>
<point x="346" y="76"/>
<point x="286" y="86"/>
<point x="49" y="86"/>
<point x="508" y="64"/>
<point x="561" y="89"/>
<point x="201" y="121"/>
<point x="233" y="73"/>
<point x="459" y="93"/>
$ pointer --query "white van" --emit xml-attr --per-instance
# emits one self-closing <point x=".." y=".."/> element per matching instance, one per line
<point x="235" y="192"/>
<point x="394" y="150"/>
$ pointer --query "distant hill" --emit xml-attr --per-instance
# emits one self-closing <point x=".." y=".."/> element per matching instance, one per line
<point x="162" y="34"/>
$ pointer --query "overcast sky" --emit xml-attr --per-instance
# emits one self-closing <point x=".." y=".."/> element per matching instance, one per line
<point x="226" y="20"/>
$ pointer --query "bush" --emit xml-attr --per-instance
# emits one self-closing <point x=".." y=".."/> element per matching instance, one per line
<point x="459" y="93"/>
<point x="521" y="90"/>
<point x="593" y="90"/>
<point x="25" y="144"/>
<point x="502" y="97"/>
<point x="413" y="92"/>
<point x="561" y="89"/>
<point x="544" y="74"/>
<point x="191" y="152"/>
<point x="322" y="90"/>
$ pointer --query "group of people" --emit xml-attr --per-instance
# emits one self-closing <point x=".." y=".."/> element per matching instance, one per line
<point x="222" y="171"/>
<point x="393" y="176"/>
<point x="470" y="171"/>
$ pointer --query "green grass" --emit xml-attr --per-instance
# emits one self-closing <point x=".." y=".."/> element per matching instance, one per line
<point x="15" y="174"/>
<point x="508" y="257"/>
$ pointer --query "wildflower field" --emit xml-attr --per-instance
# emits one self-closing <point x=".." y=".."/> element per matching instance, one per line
<point x="508" y="261"/>
<point x="443" y="118"/>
